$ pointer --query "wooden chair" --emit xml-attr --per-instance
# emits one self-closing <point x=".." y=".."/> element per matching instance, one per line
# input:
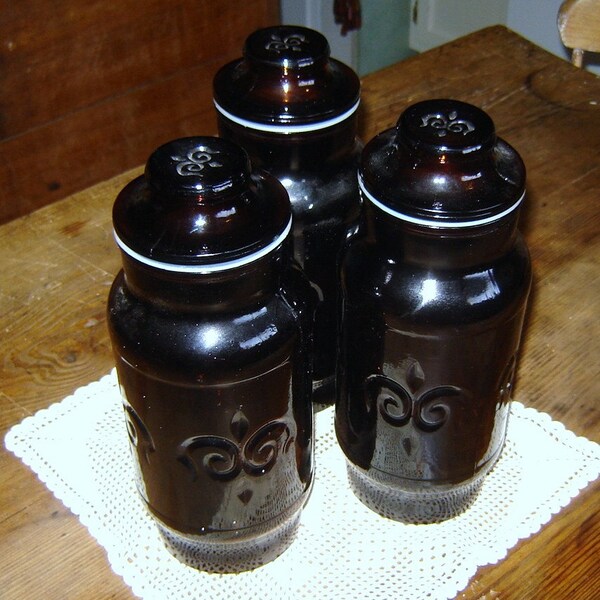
<point x="90" y="89"/>
<point x="579" y="27"/>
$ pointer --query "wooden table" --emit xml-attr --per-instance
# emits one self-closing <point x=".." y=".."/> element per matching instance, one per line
<point x="57" y="265"/>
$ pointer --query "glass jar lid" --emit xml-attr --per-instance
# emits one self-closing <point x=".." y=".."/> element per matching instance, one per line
<point x="199" y="208"/>
<point x="286" y="82"/>
<point x="443" y="165"/>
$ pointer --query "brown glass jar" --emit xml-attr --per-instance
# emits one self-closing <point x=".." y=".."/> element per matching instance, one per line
<point x="434" y="301"/>
<point x="294" y="110"/>
<point x="210" y="323"/>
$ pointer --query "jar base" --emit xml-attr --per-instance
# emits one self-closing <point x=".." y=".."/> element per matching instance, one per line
<point x="413" y="506"/>
<point x="323" y="393"/>
<point x="228" y="552"/>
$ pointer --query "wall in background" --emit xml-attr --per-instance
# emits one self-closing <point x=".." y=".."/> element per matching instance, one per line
<point x="318" y="15"/>
<point x="434" y="22"/>
<point x="383" y="37"/>
<point x="537" y="22"/>
<point x="395" y="29"/>
<point x="381" y="41"/>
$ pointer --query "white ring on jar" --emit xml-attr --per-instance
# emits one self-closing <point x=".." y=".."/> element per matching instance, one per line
<point x="431" y="222"/>
<point x="209" y="268"/>
<point x="287" y="129"/>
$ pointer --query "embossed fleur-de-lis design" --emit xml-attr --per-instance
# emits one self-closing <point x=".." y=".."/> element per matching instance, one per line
<point x="444" y="124"/>
<point x="398" y="404"/>
<point x="139" y="436"/>
<point x="293" y="42"/>
<point x="224" y="459"/>
<point x="195" y="161"/>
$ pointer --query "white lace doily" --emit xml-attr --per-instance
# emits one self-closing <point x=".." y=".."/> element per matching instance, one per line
<point x="79" y="449"/>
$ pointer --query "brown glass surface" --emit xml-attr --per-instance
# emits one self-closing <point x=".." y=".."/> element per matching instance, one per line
<point x="214" y="366"/>
<point x="59" y="262"/>
<point x="422" y="407"/>
<point x="286" y="77"/>
<point x="217" y="405"/>
<point x="199" y="204"/>
<point x="422" y="410"/>
<point x="443" y="162"/>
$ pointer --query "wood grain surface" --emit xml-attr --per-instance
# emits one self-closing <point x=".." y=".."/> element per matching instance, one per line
<point x="91" y="88"/>
<point x="58" y="264"/>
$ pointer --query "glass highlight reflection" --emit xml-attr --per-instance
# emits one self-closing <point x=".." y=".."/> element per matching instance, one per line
<point x="429" y="291"/>
<point x="481" y="287"/>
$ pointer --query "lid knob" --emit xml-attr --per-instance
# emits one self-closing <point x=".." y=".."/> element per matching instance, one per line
<point x="287" y="47"/>
<point x="446" y="126"/>
<point x="443" y="166"/>
<point x="203" y="167"/>
<point x="286" y="82"/>
<point x="198" y="207"/>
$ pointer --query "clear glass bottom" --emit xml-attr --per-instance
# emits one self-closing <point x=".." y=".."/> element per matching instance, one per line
<point x="236" y="550"/>
<point x="431" y="504"/>
<point x="232" y="552"/>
